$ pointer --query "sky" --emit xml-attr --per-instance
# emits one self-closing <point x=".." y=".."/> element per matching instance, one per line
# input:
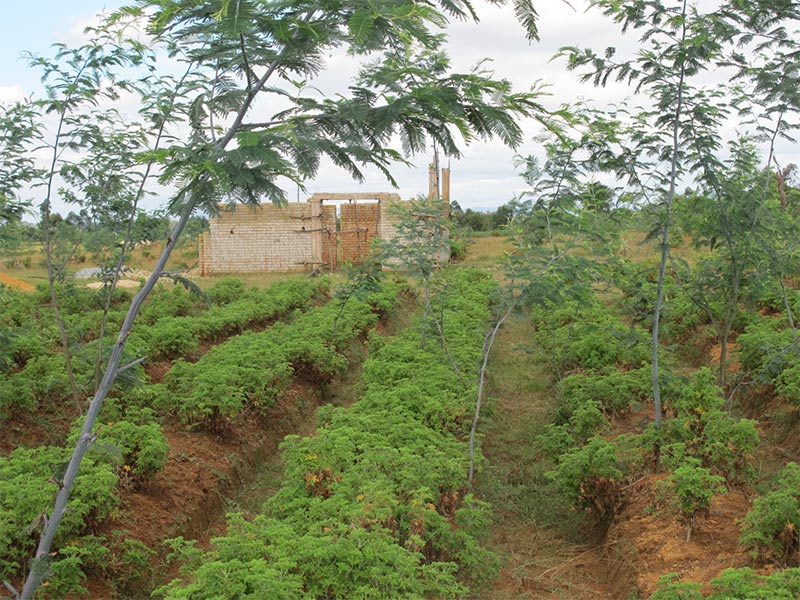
<point x="483" y="178"/>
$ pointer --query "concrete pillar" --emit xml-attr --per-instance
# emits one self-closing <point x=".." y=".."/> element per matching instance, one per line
<point x="446" y="192"/>
<point x="433" y="181"/>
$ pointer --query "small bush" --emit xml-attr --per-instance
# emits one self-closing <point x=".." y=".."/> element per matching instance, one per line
<point x="132" y="572"/>
<point x="734" y="584"/>
<point x="670" y="587"/>
<point x="746" y="584"/>
<point x="226" y="290"/>
<point x="698" y="427"/>
<point x="170" y="337"/>
<point x="691" y="488"/>
<point x="168" y="301"/>
<point x="771" y="530"/>
<point x="139" y="450"/>
<point x="615" y="391"/>
<point x="766" y="349"/>
<point x="27" y="490"/>
<point x="590" y="477"/>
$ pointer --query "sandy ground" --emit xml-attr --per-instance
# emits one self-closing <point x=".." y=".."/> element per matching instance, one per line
<point x="16" y="283"/>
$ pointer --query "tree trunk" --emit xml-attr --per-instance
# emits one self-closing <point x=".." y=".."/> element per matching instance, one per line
<point x="87" y="437"/>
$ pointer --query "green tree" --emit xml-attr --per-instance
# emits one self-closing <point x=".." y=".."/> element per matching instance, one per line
<point x="552" y="237"/>
<point x="731" y="218"/>
<point x="678" y="44"/>
<point x="249" y="51"/>
<point x="19" y="128"/>
<point x="679" y="135"/>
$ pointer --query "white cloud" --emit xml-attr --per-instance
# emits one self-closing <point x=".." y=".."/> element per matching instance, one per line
<point x="11" y="93"/>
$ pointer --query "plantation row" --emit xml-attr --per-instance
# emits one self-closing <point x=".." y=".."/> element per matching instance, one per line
<point x="603" y="373"/>
<point x="253" y="369"/>
<point x="33" y="373"/>
<point x="374" y="505"/>
<point x="246" y="373"/>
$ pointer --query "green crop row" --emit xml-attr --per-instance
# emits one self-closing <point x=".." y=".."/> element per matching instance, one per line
<point x="374" y="505"/>
<point x="587" y="335"/>
<point x="43" y="384"/>
<point x="172" y="336"/>
<point x="29" y="480"/>
<point x="33" y="373"/>
<point x="128" y="451"/>
<point x="604" y="373"/>
<point x="733" y="584"/>
<point x="253" y="369"/>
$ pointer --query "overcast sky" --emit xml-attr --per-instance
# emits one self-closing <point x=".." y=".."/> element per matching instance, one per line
<point x="484" y="178"/>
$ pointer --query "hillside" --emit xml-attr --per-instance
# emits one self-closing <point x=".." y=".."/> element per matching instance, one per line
<point x="568" y="500"/>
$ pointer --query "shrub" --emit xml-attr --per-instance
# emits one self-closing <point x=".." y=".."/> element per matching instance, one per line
<point x="226" y="290"/>
<point x="745" y="584"/>
<point x="734" y="584"/>
<point x="771" y="530"/>
<point x="139" y="450"/>
<point x="615" y="391"/>
<point x="16" y="395"/>
<point x="132" y="572"/>
<point x="700" y="428"/>
<point x="27" y="491"/>
<point x="588" y="336"/>
<point x="787" y="384"/>
<point x="25" y="344"/>
<point x="590" y="477"/>
<point x="71" y="564"/>
<point x="170" y="337"/>
<point x="691" y="487"/>
<point x="671" y="588"/>
<point x="167" y="301"/>
<point x="766" y="349"/>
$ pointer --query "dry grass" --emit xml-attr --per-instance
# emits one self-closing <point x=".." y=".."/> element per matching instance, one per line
<point x="531" y="524"/>
<point x="141" y="259"/>
<point x="486" y="251"/>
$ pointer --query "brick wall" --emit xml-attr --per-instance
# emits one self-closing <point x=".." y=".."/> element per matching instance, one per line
<point x="302" y="235"/>
<point x="359" y="226"/>
<point x="256" y="239"/>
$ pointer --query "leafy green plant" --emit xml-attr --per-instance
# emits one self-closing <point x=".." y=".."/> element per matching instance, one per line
<point x="168" y="301"/>
<point x="28" y="481"/>
<point x="699" y="427"/>
<point x="368" y="505"/>
<point x="670" y="587"/>
<point x="691" y="488"/>
<point x="766" y="348"/>
<point x="733" y="584"/>
<point x="585" y="335"/>
<point x="170" y="337"/>
<point x="69" y="568"/>
<point x="771" y="530"/>
<point x="614" y="390"/>
<point x="787" y="384"/>
<point x="746" y="584"/>
<point x="131" y="567"/>
<point x="226" y="290"/>
<point x="251" y="370"/>
<point x="180" y="336"/>
<point x="139" y="449"/>
<point x="590" y="477"/>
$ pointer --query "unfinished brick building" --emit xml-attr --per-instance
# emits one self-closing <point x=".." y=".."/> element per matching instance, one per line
<point x="325" y="231"/>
